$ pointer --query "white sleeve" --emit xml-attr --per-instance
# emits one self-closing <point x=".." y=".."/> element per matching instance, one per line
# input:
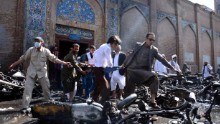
<point x="108" y="56"/>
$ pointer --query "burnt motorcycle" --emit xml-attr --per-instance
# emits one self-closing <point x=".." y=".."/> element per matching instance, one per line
<point x="210" y="85"/>
<point x="11" y="87"/>
<point x="82" y="112"/>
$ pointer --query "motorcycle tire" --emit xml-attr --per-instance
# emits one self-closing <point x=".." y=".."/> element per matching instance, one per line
<point x="172" y="104"/>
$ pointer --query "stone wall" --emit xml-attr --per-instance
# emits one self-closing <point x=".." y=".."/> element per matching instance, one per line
<point x="10" y="32"/>
<point x="134" y="23"/>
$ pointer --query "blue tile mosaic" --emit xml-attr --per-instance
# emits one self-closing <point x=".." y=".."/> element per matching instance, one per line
<point x="35" y="17"/>
<point x="65" y="30"/>
<point x="161" y="15"/>
<point x="112" y="22"/>
<point x="102" y="3"/>
<point x="185" y="23"/>
<point x="76" y="10"/>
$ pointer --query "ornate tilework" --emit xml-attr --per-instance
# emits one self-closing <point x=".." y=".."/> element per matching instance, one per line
<point x="65" y="30"/>
<point x="126" y="4"/>
<point x="161" y="15"/>
<point x="35" y="16"/>
<point x="185" y="23"/>
<point x="204" y="29"/>
<point x="102" y="3"/>
<point x="76" y="10"/>
<point x="112" y="22"/>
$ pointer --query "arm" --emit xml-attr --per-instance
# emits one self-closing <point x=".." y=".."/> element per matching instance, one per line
<point x="70" y="58"/>
<point x="164" y="61"/>
<point x="54" y="59"/>
<point x="23" y="58"/>
<point x="63" y="62"/>
<point x="15" y="63"/>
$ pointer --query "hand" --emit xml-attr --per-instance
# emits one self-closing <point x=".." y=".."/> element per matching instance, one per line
<point x="178" y="72"/>
<point x="83" y="72"/>
<point x="11" y="66"/>
<point x="68" y="64"/>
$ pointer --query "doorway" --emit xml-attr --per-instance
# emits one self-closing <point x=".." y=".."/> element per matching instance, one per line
<point x="64" y="44"/>
<point x="64" y="48"/>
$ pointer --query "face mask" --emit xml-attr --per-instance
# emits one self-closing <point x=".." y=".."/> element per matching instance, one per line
<point x="37" y="44"/>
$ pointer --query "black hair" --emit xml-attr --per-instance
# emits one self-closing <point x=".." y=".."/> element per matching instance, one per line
<point x="114" y="39"/>
<point x="92" y="47"/>
<point x="149" y="33"/>
<point x="75" y="44"/>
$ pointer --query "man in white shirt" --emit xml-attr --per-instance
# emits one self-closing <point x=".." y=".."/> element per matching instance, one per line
<point x="159" y="67"/>
<point x="206" y="70"/>
<point x="103" y="59"/>
<point x="89" y="79"/>
<point x="117" y="78"/>
<point x="174" y="63"/>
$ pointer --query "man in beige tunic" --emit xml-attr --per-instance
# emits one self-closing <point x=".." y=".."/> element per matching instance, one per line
<point x="37" y="70"/>
<point x="139" y="67"/>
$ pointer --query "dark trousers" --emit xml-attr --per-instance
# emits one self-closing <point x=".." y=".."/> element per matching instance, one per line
<point x="101" y="85"/>
<point x="152" y="83"/>
<point x="88" y="83"/>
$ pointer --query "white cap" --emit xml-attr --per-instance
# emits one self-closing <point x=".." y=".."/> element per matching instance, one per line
<point x="173" y="56"/>
<point x="39" y="38"/>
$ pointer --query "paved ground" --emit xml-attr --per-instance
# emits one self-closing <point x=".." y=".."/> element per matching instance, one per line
<point x="9" y="114"/>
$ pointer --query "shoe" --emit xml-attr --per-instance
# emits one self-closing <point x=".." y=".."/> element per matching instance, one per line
<point x="23" y="110"/>
<point x="121" y="98"/>
<point x="154" y="105"/>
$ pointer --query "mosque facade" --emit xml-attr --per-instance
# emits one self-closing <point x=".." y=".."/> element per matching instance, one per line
<point x="181" y="27"/>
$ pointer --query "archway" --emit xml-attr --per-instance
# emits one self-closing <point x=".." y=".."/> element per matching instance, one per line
<point x="205" y="52"/>
<point x="189" y="51"/>
<point x="134" y="28"/>
<point x="166" y="38"/>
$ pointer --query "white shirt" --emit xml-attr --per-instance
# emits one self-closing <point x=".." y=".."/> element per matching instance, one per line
<point x="159" y="67"/>
<point x="91" y="60"/>
<point x="175" y="65"/>
<point x="206" y="71"/>
<point x="102" y="56"/>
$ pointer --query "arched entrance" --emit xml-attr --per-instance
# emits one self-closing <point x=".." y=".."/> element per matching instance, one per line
<point x="64" y="44"/>
<point x="75" y="21"/>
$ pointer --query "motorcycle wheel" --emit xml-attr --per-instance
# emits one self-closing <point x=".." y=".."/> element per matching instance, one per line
<point x="173" y="104"/>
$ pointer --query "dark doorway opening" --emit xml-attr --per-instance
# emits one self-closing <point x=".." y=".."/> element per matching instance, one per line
<point x="64" y="44"/>
<point x="64" y="48"/>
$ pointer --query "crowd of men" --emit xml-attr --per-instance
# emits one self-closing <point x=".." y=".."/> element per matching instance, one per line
<point x="127" y="70"/>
